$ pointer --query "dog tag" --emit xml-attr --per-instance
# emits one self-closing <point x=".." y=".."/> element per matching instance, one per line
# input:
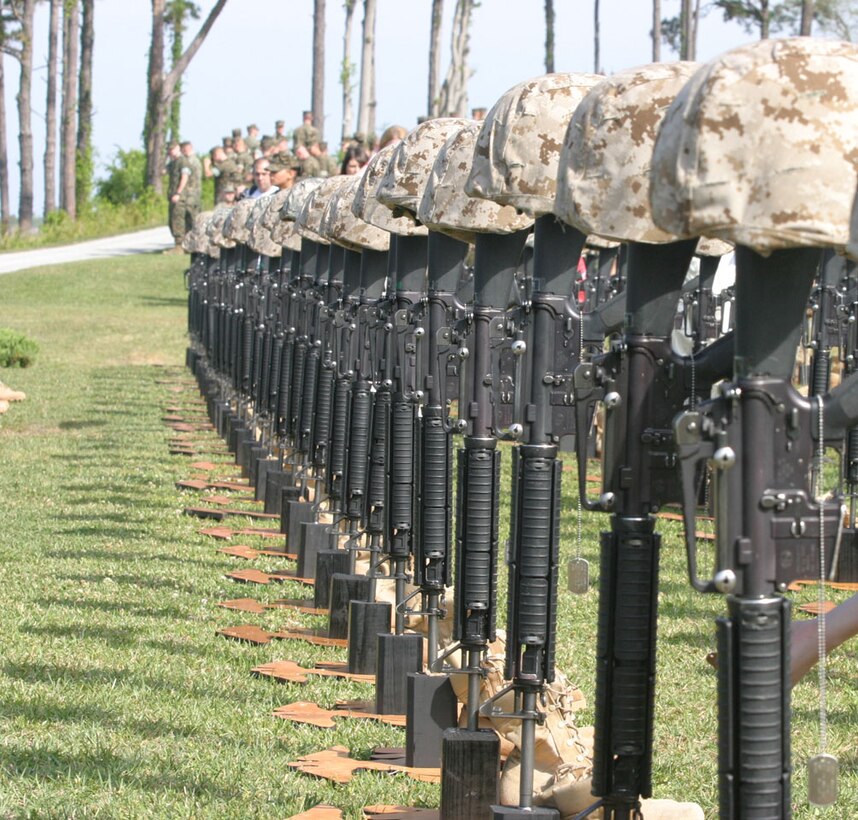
<point x="578" y="575"/>
<point x="822" y="770"/>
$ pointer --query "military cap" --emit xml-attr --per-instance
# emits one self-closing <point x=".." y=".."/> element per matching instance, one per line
<point x="604" y="173"/>
<point x="282" y="161"/>
<point x="359" y="136"/>
<point x="236" y="132"/>
<point x="228" y="189"/>
<point x="518" y="149"/>
<point x="266" y="142"/>
<point x="172" y="145"/>
<point x="447" y="208"/>
<point x="411" y="164"/>
<point x="761" y="147"/>
<point x="280" y="124"/>
<point x="307" y="114"/>
<point x="253" y="126"/>
<point x="227" y="142"/>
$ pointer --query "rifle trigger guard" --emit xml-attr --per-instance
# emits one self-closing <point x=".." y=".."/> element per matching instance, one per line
<point x="692" y="449"/>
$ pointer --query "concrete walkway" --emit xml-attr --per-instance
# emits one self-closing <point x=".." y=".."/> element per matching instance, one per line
<point x="152" y="240"/>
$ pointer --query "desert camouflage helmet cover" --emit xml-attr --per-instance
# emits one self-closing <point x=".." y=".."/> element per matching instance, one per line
<point x="299" y="192"/>
<point x="196" y="240"/>
<point x="367" y="207"/>
<point x="341" y="226"/>
<point x="604" y="175"/>
<point x="761" y="147"/>
<point x="445" y="206"/>
<point x="271" y="214"/>
<point x="235" y="226"/>
<point x="308" y="223"/>
<point x="515" y="161"/>
<point x="260" y="240"/>
<point x="408" y="171"/>
<point x="215" y="227"/>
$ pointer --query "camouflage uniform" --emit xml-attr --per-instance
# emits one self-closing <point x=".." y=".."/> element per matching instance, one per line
<point x="310" y="167"/>
<point x="305" y="135"/>
<point x="328" y="165"/>
<point x="186" y="209"/>
<point x="228" y="172"/>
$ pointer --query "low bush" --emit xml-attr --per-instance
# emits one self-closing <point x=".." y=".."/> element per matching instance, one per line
<point x="16" y="350"/>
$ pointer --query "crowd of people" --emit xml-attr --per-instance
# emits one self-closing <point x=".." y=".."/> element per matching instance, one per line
<point x="250" y="166"/>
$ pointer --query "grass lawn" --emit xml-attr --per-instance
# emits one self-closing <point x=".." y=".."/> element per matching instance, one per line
<point x="118" y="700"/>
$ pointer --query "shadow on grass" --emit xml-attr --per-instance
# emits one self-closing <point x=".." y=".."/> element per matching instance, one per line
<point x="133" y="580"/>
<point x="119" y="608"/>
<point x="100" y="767"/>
<point x="112" y="636"/>
<point x="43" y="711"/>
<point x="80" y="425"/>
<point x="160" y="301"/>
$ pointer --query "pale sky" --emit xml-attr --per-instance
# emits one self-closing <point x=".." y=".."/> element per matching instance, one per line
<point x="255" y="65"/>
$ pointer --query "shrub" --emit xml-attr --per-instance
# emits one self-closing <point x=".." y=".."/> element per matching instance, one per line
<point x="126" y="178"/>
<point x="16" y="350"/>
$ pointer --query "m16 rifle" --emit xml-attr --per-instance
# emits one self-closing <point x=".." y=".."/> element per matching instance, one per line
<point x="760" y="437"/>
<point x="642" y="384"/>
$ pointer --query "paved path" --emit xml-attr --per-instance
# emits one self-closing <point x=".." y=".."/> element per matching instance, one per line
<point x="151" y="240"/>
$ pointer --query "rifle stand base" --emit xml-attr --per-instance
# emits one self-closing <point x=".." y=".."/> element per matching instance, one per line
<point x="264" y="466"/>
<point x="511" y="812"/>
<point x="469" y="774"/>
<point x="344" y="589"/>
<point x="398" y="655"/>
<point x="314" y="538"/>
<point x="256" y="455"/>
<point x="432" y="708"/>
<point x="367" y="620"/>
<point x="294" y="514"/>
<point x="275" y="482"/>
<point x="328" y="563"/>
<point x="220" y="415"/>
<point x="847" y="564"/>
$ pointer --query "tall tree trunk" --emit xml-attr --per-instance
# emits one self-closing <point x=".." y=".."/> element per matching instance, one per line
<point x="764" y="19"/>
<point x="656" y="31"/>
<point x="68" y="124"/>
<point x="347" y="71"/>
<point x="177" y="44"/>
<point x="549" y="36"/>
<point x="161" y="89"/>
<point x="318" y="90"/>
<point x="435" y="58"/>
<point x="4" y="156"/>
<point x="685" y="30"/>
<point x="806" y="17"/>
<point x="155" y="122"/>
<point x="367" y="101"/>
<point x="83" y="164"/>
<point x="695" y="25"/>
<point x="454" y="91"/>
<point x="25" y="118"/>
<point x="597" y="60"/>
<point x="51" y="108"/>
